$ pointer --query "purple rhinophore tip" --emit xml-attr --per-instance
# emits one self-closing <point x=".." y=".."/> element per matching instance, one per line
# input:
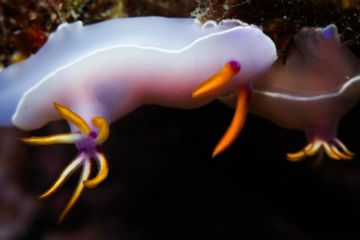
<point x="330" y="33"/>
<point x="93" y="134"/>
<point x="235" y="66"/>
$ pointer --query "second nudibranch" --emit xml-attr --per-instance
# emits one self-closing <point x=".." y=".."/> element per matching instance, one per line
<point x="312" y="91"/>
<point x="93" y="75"/>
<point x="315" y="87"/>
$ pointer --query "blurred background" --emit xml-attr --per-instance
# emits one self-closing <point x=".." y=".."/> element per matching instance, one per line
<point x="163" y="183"/>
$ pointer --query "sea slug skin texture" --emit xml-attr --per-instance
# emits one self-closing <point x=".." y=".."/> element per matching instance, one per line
<point x="93" y="75"/>
<point x="311" y="91"/>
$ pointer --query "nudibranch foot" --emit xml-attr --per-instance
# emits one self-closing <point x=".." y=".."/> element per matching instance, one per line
<point x="215" y="84"/>
<point x="334" y="149"/>
<point x="89" y="144"/>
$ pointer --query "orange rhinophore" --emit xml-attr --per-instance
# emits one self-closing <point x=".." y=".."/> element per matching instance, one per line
<point x="215" y="84"/>
<point x="217" y="81"/>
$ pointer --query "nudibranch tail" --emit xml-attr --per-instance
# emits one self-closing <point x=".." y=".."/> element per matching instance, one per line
<point x="334" y="149"/>
<point x="217" y="81"/>
<point x="89" y="144"/>
<point x="237" y="123"/>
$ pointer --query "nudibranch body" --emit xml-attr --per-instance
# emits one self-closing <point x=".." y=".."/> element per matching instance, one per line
<point x="316" y="86"/>
<point x="114" y="66"/>
<point x="103" y="71"/>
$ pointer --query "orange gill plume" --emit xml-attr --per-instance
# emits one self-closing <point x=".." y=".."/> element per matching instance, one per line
<point x="89" y="144"/>
<point x="334" y="149"/>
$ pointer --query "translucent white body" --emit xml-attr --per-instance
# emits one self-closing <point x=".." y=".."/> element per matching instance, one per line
<point x="112" y="67"/>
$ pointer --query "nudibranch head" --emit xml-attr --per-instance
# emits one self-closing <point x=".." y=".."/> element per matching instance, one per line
<point x="320" y="44"/>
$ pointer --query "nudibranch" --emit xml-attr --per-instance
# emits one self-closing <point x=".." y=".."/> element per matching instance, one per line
<point x="93" y="75"/>
<point x="316" y="86"/>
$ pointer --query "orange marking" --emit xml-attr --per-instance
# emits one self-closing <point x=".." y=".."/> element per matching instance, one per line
<point x="237" y="122"/>
<point x="217" y="81"/>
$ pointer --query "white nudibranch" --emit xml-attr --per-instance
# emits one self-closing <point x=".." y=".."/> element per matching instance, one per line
<point x="93" y="75"/>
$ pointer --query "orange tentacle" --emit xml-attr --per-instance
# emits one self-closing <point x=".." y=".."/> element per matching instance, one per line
<point x="217" y="81"/>
<point x="237" y="122"/>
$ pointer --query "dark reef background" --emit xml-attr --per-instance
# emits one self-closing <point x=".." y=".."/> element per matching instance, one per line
<point x="163" y="183"/>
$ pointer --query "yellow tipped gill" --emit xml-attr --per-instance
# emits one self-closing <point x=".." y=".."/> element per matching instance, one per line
<point x="340" y="154"/>
<point x="297" y="156"/>
<point x="73" y="118"/>
<point x="242" y="104"/>
<point x="71" y="168"/>
<point x="65" y="138"/>
<point x="103" y="127"/>
<point x="309" y="150"/>
<point x="217" y="81"/>
<point x="343" y="147"/>
<point x="330" y="152"/>
<point x="314" y="148"/>
<point x="103" y="171"/>
<point x="79" y="188"/>
<point x="88" y="147"/>
<point x="334" y="149"/>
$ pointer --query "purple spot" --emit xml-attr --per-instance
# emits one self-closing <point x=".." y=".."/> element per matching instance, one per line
<point x="93" y="134"/>
<point x="87" y="145"/>
<point x="235" y="66"/>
